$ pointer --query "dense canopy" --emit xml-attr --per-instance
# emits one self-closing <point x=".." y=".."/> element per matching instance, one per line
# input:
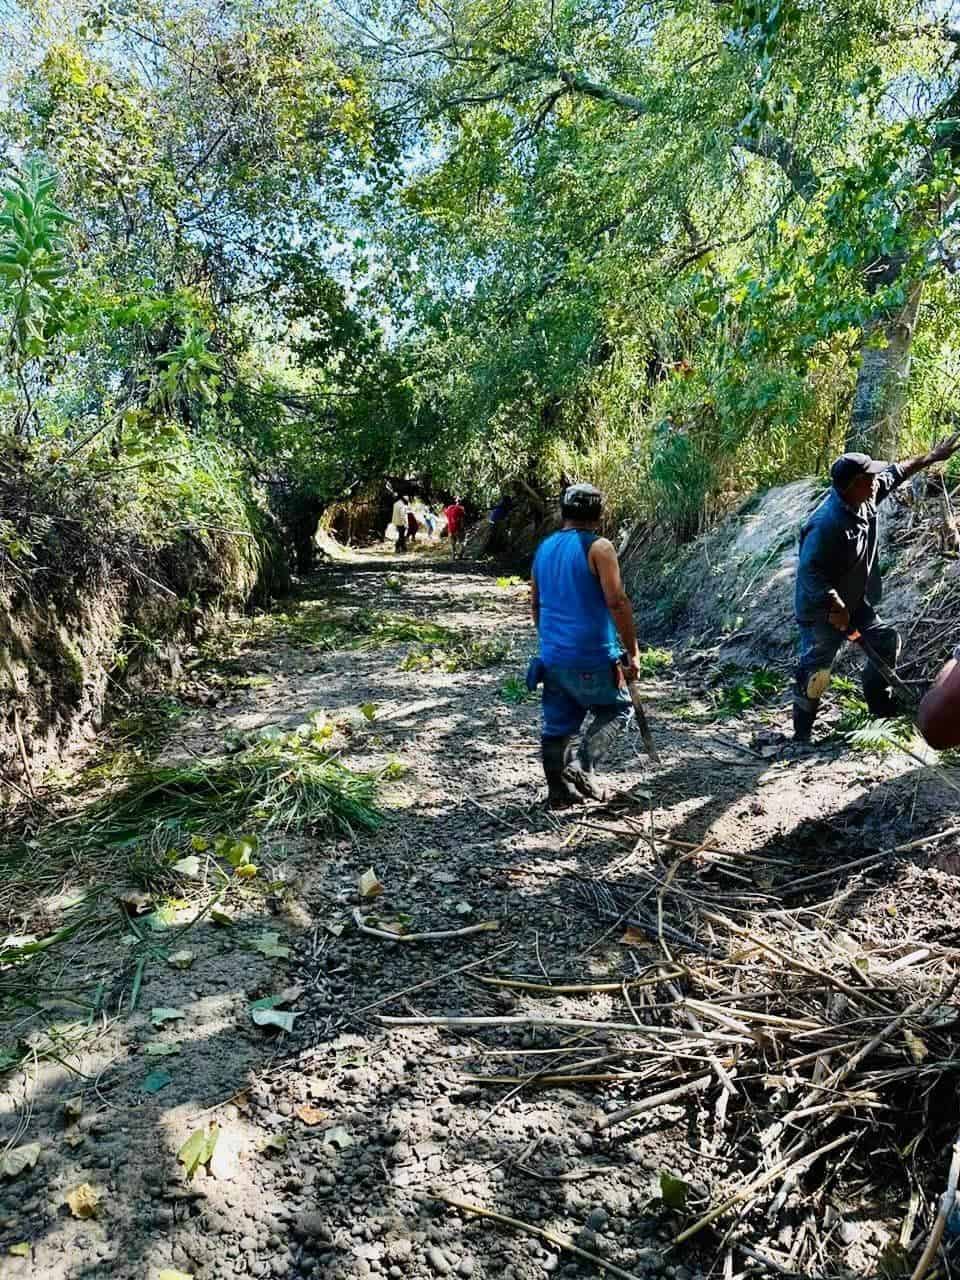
<point x="679" y="249"/>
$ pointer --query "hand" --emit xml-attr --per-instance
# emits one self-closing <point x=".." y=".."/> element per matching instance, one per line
<point x="630" y="664"/>
<point x="839" y="617"/>
<point x="945" y="448"/>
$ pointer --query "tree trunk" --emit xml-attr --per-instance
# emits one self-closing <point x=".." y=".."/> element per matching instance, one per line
<point x="881" y="389"/>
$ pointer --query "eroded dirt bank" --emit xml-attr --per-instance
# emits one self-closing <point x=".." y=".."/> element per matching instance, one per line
<point x="336" y="1137"/>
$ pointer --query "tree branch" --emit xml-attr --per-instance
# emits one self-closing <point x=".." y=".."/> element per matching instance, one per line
<point x="771" y="146"/>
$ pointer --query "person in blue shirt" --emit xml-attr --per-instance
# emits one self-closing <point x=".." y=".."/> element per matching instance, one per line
<point x="838" y="589"/>
<point x="588" y="647"/>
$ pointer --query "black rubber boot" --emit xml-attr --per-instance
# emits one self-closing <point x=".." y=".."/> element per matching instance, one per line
<point x="561" y="794"/>
<point x="804" y="713"/>
<point x="878" y="695"/>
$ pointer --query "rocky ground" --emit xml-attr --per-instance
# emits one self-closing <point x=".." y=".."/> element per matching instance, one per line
<point x="338" y="1138"/>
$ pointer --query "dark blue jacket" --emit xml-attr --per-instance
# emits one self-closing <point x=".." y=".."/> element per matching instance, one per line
<point x="838" y="552"/>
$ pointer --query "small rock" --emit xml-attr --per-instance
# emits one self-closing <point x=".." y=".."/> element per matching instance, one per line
<point x="312" y="1226"/>
<point x="437" y="1261"/>
<point x="585" y="1141"/>
<point x="598" y="1220"/>
<point x="465" y="1267"/>
<point x="550" y="1263"/>
<point x="849" y="1232"/>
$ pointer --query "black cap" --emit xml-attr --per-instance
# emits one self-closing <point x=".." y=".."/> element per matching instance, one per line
<point x="850" y="465"/>
<point x="582" y="502"/>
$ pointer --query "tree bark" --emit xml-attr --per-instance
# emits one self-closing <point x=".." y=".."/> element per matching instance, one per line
<point x="882" y="381"/>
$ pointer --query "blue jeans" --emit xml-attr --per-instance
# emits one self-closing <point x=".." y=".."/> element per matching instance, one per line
<point x="569" y="693"/>
<point x="819" y="645"/>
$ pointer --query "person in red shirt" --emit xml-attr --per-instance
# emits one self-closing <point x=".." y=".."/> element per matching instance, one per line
<point x="939" y="717"/>
<point x="456" y="527"/>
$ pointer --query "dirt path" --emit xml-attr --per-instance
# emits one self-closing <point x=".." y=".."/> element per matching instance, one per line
<point x="334" y="1136"/>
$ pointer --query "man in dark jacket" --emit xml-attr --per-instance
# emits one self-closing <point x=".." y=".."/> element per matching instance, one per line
<point x="838" y="588"/>
<point x="585" y="622"/>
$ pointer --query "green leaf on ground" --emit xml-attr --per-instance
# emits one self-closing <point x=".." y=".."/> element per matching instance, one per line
<point x="172" y="1274"/>
<point x="21" y="1250"/>
<point x="159" y="1016"/>
<point x="221" y="917"/>
<point x="156" y="1081"/>
<point x="269" y="944"/>
<point x="198" y="1149"/>
<point x="181" y="959"/>
<point x="189" y="866"/>
<point x="673" y="1191"/>
<point x="368" y="710"/>
<point x="13" y="1163"/>
<point x="156" y="1049"/>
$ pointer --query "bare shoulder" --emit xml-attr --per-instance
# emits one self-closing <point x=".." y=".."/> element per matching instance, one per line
<point x="603" y="549"/>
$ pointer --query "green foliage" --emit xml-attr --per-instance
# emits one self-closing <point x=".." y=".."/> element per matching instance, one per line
<point x="514" y="690"/>
<point x="879" y="736"/>
<point x="740" y="693"/>
<point x="654" y="662"/>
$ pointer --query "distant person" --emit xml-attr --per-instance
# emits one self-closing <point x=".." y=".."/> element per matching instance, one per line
<point x="456" y="516"/>
<point x="838" y="587"/>
<point x="939" y="716"/>
<point x="496" y="521"/>
<point x="588" y="647"/>
<point x="413" y="524"/>
<point x="399" y="521"/>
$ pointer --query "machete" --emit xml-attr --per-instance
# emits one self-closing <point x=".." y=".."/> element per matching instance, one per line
<point x="907" y="694"/>
<point x="633" y="688"/>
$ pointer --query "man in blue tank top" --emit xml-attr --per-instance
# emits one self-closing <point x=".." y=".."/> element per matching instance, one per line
<point x="585" y="623"/>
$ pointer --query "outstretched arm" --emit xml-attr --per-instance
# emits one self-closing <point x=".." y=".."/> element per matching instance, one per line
<point x="604" y="562"/>
<point x="946" y="448"/>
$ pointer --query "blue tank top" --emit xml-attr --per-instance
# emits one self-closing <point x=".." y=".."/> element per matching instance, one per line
<point x="576" y="629"/>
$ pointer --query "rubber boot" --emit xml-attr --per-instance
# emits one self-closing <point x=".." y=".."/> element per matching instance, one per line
<point x="579" y="770"/>
<point x="561" y="794"/>
<point x="804" y="713"/>
<point x="878" y="695"/>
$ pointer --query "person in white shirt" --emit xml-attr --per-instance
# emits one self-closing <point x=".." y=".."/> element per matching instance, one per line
<point x="399" y="520"/>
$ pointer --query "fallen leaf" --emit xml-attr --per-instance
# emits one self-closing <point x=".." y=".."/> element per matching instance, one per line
<point x="338" y="1138"/>
<point x="156" y="1081"/>
<point x="181" y="959"/>
<point x="891" y="908"/>
<point x="73" y="1138"/>
<point x="13" y="1163"/>
<point x="446" y="877"/>
<point x="157" y="1049"/>
<point x="73" y="1109"/>
<point x="246" y="872"/>
<point x="159" y="1016"/>
<point x="464" y="908"/>
<point x="336" y="927"/>
<point x="199" y="844"/>
<point x="136" y="902"/>
<point x="273" y="1018"/>
<point x="269" y="944"/>
<point x="276" y="1144"/>
<point x="918" y="1050"/>
<point x="635" y="938"/>
<point x="392" y="926"/>
<point x="673" y="1191"/>
<point x="21" y="1250"/>
<point x="221" y="917"/>
<point x="198" y="1149"/>
<point x="83" y="1201"/>
<point x="368" y="885"/>
<point x="189" y="866"/>
<point x="311" y="1115"/>
<point x="368" y="710"/>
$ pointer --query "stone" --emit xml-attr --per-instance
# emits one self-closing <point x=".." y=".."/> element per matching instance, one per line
<point x="312" y="1225"/>
<point x="598" y="1220"/>
<point x="465" y="1267"/>
<point x="438" y="1261"/>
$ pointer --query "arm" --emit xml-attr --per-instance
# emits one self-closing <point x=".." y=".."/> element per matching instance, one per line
<point x="939" y="717"/>
<point x="604" y="563"/>
<point x="946" y="448"/>
<point x="534" y="602"/>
